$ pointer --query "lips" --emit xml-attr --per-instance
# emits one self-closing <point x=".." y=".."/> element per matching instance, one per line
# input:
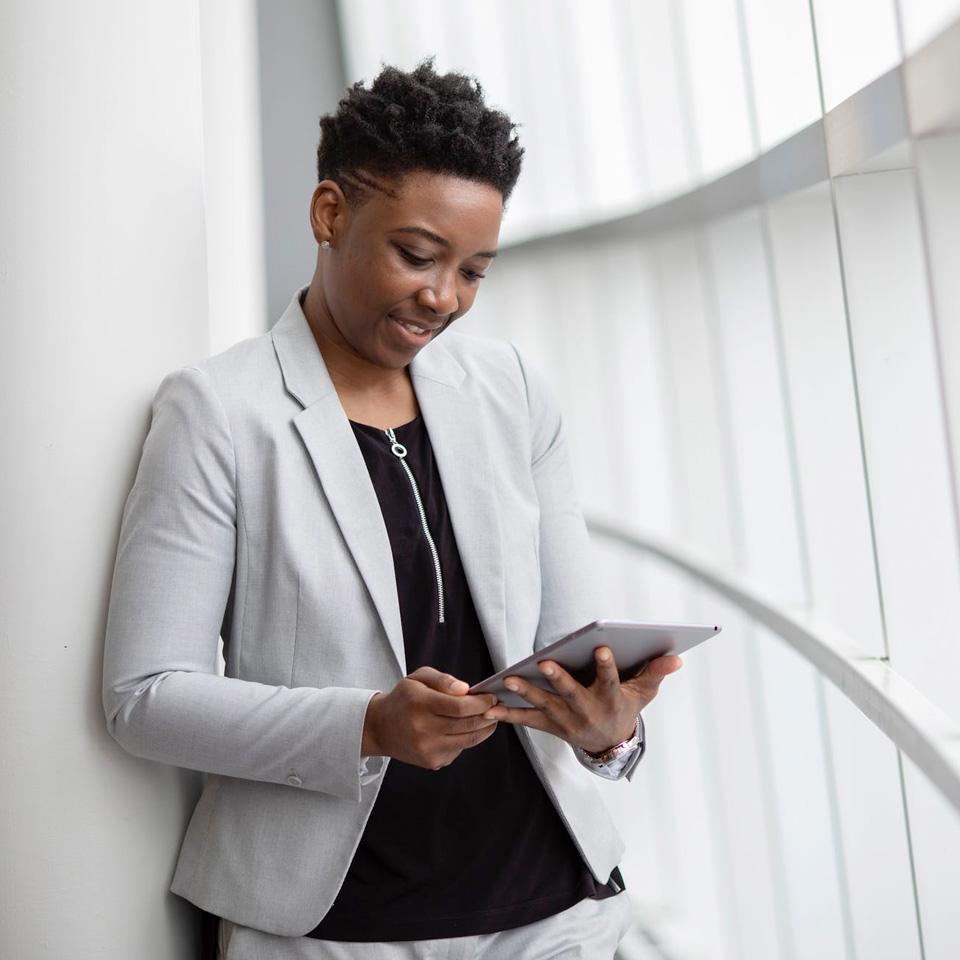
<point x="416" y="328"/>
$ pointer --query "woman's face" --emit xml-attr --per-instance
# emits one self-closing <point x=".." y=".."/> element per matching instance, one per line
<point x="402" y="266"/>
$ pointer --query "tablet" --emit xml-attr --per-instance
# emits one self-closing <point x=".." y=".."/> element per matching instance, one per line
<point x="633" y="645"/>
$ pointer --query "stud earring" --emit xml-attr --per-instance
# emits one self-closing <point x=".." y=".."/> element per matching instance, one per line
<point x="324" y="244"/>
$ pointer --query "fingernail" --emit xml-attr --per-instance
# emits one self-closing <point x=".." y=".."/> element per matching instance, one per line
<point x="512" y="685"/>
<point x="604" y="656"/>
<point x="548" y="671"/>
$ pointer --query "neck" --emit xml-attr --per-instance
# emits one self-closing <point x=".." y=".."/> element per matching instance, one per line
<point x="368" y="393"/>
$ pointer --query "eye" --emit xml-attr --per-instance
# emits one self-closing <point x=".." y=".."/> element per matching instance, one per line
<point x="473" y="276"/>
<point x="412" y="258"/>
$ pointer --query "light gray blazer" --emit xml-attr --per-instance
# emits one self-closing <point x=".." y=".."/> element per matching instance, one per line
<point x="253" y="515"/>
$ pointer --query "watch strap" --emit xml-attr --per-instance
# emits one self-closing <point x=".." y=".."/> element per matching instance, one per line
<point x="618" y="750"/>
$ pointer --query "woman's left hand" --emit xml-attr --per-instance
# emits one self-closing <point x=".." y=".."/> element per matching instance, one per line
<point x="593" y="718"/>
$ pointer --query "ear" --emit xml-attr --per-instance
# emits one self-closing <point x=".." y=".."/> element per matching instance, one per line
<point x="328" y="208"/>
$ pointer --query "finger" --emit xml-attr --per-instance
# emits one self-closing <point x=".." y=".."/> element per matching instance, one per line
<point x="473" y="739"/>
<point x="470" y="738"/>
<point x="561" y="681"/>
<point x="664" y="666"/>
<point x="470" y="706"/>
<point x="466" y="725"/>
<point x="453" y="746"/>
<point x="656" y="670"/>
<point x="445" y="705"/>
<point x="441" y="682"/>
<point x="646" y="684"/>
<point x="520" y="716"/>
<point x="534" y="695"/>
<point x="608" y="677"/>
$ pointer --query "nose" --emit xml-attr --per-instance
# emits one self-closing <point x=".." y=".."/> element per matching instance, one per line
<point x="440" y="294"/>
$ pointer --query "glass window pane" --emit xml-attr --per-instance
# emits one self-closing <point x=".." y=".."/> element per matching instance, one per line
<point x="924" y="19"/>
<point x="748" y="353"/>
<point x="935" y="833"/>
<point x="938" y="163"/>
<point x="552" y="158"/>
<point x="873" y="835"/>
<point x="636" y="391"/>
<point x="843" y="580"/>
<point x="745" y="821"/>
<point x="681" y="722"/>
<point x="783" y="66"/>
<point x="792" y="723"/>
<point x="609" y="168"/>
<point x="903" y="426"/>
<point x="591" y="439"/>
<point x="715" y="58"/>
<point x="418" y="30"/>
<point x="704" y="495"/>
<point x="857" y="40"/>
<point x="659" y="65"/>
<point x="368" y="37"/>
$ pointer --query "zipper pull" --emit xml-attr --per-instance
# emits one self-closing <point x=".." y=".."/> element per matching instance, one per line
<point x="396" y="447"/>
<point x="400" y="452"/>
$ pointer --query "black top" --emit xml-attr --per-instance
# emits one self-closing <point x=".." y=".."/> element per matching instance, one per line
<point x="476" y="847"/>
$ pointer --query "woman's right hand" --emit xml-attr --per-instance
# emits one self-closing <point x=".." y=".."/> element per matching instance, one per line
<point x="426" y="720"/>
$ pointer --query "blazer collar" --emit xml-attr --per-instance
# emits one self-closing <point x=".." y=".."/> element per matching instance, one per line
<point x="328" y="437"/>
<point x="301" y="363"/>
<point x="462" y="452"/>
<point x="459" y="437"/>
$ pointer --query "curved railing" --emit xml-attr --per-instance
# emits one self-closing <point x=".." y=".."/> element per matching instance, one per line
<point x="924" y="732"/>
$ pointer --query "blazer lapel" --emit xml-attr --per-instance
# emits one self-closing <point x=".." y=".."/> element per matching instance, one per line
<point x="328" y="437"/>
<point x="462" y="452"/>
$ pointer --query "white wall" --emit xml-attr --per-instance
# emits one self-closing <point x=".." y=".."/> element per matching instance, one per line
<point x="103" y="290"/>
<point x="233" y="168"/>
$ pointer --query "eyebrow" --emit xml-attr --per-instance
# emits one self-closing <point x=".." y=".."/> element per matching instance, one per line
<point x="442" y="241"/>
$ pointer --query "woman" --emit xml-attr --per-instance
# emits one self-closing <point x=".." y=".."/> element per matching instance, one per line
<point x="374" y="521"/>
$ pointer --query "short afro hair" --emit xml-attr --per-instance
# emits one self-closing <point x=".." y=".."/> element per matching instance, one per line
<point x="414" y="121"/>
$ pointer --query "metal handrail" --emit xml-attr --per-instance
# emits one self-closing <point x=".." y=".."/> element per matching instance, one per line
<point x="926" y="734"/>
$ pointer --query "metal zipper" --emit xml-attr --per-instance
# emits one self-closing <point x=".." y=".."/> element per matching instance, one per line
<point x="400" y="452"/>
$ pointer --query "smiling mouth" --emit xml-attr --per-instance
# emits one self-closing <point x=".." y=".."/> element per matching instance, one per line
<point x="416" y="328"/>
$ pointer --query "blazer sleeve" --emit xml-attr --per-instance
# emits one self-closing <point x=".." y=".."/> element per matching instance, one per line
<point x="172" y="582"/>
<point x="570" y="592"/>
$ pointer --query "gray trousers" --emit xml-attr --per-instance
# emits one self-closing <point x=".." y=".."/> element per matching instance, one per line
<point x="589" y="930"/>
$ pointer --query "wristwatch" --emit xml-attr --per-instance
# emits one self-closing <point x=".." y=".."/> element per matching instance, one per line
<point x="621" y="749"/>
